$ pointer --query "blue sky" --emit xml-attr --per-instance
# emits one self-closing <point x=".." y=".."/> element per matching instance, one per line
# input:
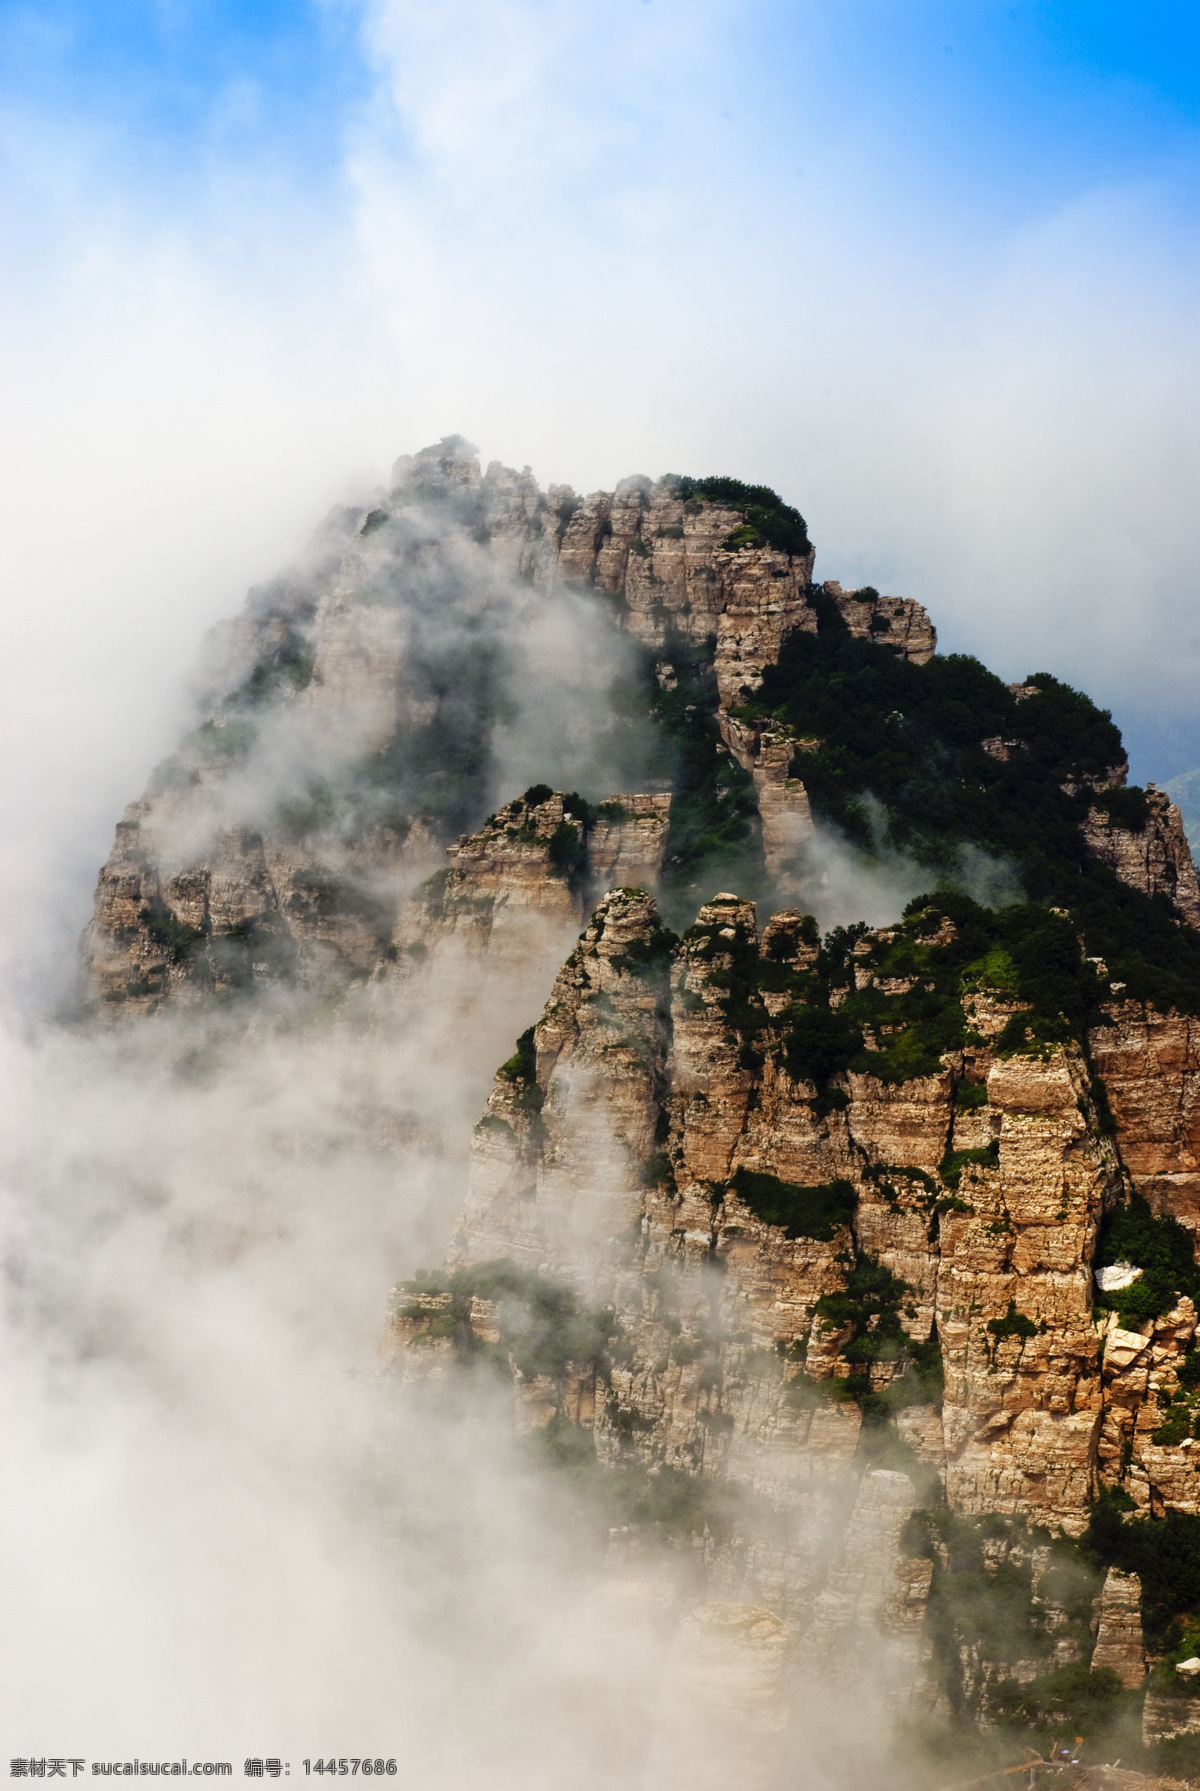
<point x="932" y="270"/>
<point x="987" y="109"/>
<point x="169" y="87"/>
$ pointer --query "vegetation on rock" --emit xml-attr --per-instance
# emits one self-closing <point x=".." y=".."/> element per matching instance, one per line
<point x="1158" y="1245"/>
<point x="800" y="1212"/>
<point x="1163" y="1552"/>
<point x="714" y="810"/>
<point x="769" y="522"/>
<point x="543" y="1328"/>
<point x="952" y="758"/>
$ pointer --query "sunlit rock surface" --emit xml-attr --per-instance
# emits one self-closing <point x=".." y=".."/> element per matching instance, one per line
<point x="797" y="1235"/>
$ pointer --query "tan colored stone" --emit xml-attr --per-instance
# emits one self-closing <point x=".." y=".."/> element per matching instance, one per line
<point x="1150" y="1065"/>
<point x="599" y="1046"/>
<point x="325" y="909"/>
<point x="1163" y="1718"/>
<point x="627" y="849"/>
<point x="1119" y="1644"/>
<point x="617" y="1167"/>
<point x="1156" y="859"/>
<point x="895" y="622"/>
<point x="868" y="1620"/>
<point x="1123" y="1347"/>
<point x="1023" y="1423"/>
<point x="787" y="821"/>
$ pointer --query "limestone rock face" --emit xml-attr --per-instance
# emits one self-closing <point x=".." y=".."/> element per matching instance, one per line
<point x="1119" y="1636"/>
<point x="559" y="1164"/>
<point x="769" y="750"/>
<point x="1022" y="1409"/>
<point x="768" y="754"/>
<point x="636" y="1163"/>
<point x="250" y="908"/>
<point x="276" y="843"/>
<point x="1157" y="1461"/>
<point x="280" y="842"/>
<point x="895" y="622"/>
<point x="731" y="1219"/>
<point x="1150" y="1063"/>
<point x="626" y="841"/>
<point x="818" y="1258"/>
<point x="1155" y="859"/>
<point x="783" y="804"/>
<point x="533" y="867"/>
<point x="669" y="560"/>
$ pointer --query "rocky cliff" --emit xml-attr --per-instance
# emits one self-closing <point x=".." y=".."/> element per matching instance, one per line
<point x="887" y="1241"/>
<point x="691" y="1093"/>
<point x="538" y="863"/>
<point x="365" y="691"/>
<point x="799" y="1271"/>
<point x="1153" y="857"/>
<point x="857" y="1263"/>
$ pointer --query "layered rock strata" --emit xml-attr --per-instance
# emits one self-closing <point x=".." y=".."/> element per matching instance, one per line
<point x="1119" y="1646"/>
<point x="872" y="1608"/>
<point x="659" y="1090"/>
<point x="1154" y="858"/>
<point x="749" y="1232"/>
<point x="1150" y="1065"/>
<point x="251" y="908"/>
<point x="769" y="750"/>
<point x="669" y="560"/>
<point x="1146" y="1444"/>
<point x="815" y="1224"/>
<point x="768" y="753"/>
<point x="342" y="690"/>
<point x="1165" y="1718"/>
<point x="535" y="866"/>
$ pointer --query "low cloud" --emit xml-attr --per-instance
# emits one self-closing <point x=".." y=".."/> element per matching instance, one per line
<point x="223" y="1534"/>
<point x="840" y="882"/>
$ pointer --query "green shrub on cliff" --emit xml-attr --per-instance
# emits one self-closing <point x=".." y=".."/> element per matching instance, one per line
<point x="714" y="810"/>
<point x="521" y="1069"/>
<point x="1012" y="1324"/>
<point x="955" y="1161"/>
<point x="568" y="851"/>
<point x="286" y="667"/>
<point x="167" y="932"/>
<point x="1158" y="1245"/>
<point x="649" y="954"/>
<point x="769" y="522"/>
<point x="1075" y="1700"/>
<point x="1030" y="952"/>
<point x="820" y="1041"/>
<point x="522" y="1065"/>
<point x="906" y="742"/>
<point x="802" y="1211"/>
<point x="873" y="1301"/>
<point x="1164" y="1552"/>
<point x="543" y="1328"/>
<point x="1127" y="807"/>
